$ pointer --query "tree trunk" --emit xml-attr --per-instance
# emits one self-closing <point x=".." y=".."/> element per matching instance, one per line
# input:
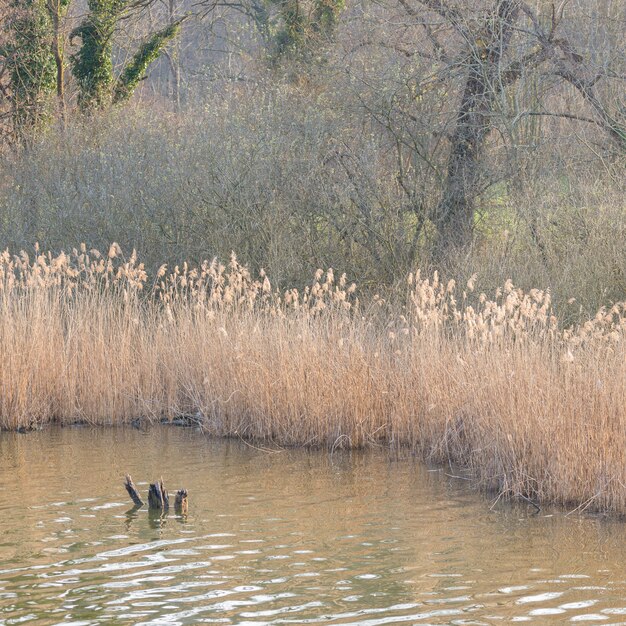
<point x="454" y="216"/>
<point x="174" y="59"/>
<point x="54" y="7"/>
<point x="158" y="499"/>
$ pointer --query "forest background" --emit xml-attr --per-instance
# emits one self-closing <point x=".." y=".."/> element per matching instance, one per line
<point x="373" y="137"/>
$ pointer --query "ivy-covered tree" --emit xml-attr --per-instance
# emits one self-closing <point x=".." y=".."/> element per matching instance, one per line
<point x="326" y="15"/>
<point x="292" y="28"/>
<point x="92" y="64"/>
<point x="135" y="69"/>
<point x="300" y="27"/>
<point x="32" y="66"/>
<point x="57" y="10"/>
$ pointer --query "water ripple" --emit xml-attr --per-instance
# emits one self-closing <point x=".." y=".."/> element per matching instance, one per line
<point x="289" y="538"/>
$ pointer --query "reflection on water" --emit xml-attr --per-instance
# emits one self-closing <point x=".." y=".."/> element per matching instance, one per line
<point x="287" y="537"/>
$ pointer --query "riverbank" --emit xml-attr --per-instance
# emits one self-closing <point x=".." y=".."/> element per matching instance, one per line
<point x="489" y="383"/>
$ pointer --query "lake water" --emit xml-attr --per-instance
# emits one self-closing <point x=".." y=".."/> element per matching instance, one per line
<point x="282" y="537"/>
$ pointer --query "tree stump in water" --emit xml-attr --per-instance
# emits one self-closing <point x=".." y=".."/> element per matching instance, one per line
<point x="158" y="498"/>
<point x="180" y="503"/>
<point x="132" y="491"/>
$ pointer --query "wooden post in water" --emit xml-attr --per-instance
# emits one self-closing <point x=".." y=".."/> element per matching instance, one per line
<point x="180" y="503"/>
<point x="132" y="491"/>
<point x="158" y="499"/>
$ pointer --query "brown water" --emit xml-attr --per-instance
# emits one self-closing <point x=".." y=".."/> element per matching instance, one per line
<point x="288" y="537"/>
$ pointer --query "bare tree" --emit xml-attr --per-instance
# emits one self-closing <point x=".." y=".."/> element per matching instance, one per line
<point x="472" y="55"/>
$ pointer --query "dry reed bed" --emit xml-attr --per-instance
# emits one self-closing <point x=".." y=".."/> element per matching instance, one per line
<point x="492" y="384"/>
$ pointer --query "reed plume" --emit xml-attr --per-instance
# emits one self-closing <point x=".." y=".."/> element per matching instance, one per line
<point x="492" y="383"/>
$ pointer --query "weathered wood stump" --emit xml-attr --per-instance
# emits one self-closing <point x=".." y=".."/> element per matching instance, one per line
<point x="158" y="498"/>
<point x="132" y="491"/>
<point x="180" y="502"/>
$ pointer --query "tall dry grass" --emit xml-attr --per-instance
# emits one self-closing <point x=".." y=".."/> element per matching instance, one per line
<point x="490" y="383"/>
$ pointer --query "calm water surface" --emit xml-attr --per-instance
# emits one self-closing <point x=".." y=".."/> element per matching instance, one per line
<point x="287" y="537"/>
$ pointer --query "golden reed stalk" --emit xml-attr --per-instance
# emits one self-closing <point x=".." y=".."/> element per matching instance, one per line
<point x="492" y="384"/>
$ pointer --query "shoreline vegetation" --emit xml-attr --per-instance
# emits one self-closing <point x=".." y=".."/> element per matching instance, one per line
<point x="492" y="383"/>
